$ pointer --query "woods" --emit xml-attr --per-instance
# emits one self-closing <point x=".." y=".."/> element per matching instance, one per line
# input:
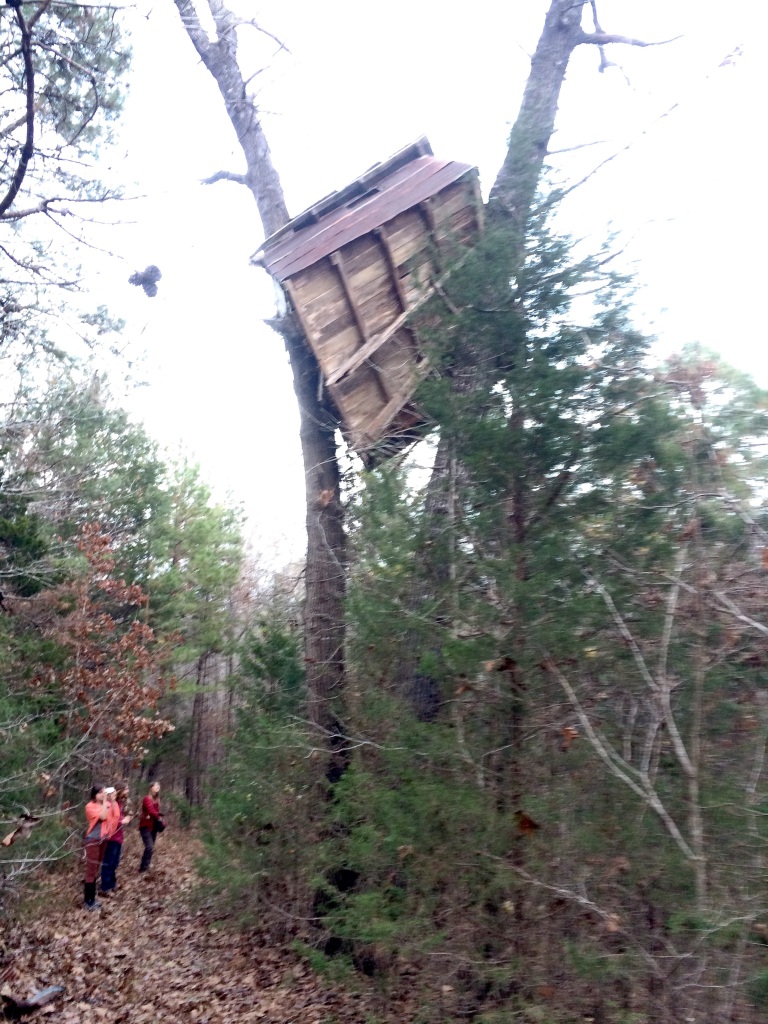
<point x="495" y="749"/>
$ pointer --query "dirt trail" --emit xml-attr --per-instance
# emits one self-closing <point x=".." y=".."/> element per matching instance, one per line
<point x="149" y="957"/>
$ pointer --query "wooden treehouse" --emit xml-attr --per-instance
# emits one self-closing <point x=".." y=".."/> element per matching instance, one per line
<point x="356" y="266"/>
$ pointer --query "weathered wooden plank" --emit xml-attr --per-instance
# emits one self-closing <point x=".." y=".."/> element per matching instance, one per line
<point x="381" y="310"/>
<point x="367" y="422"/>
<point x="376" y="426"/>
<point x="326" y="334"/>
<point x="381" y="234"/>
<point x="398" y="357"/>
<point x="371" y="290"/>
<point x="321" y="296"/>
<point x="452" y="200"/>
<point x="362" y="355"/>
<point x="457" y="233"/>
<point x="325" y="301"/>
<point x="453" y="211"/>
<point x="361" y="398"/>
<point x="378" y="311"/>
<point x="337" y="313"/>
<point x="338" y="261"/>
<point x="371" y="281"/>
<point x="365" y="351"/>
<point x="407" y="236"/>
<point x="479" y="205"/>
<point x="359" y="252"/>
<point x="426" y="207"/>
<point x="338" y="350"/>
<point x="408" y="244"/>
<point x="315" y="282"/>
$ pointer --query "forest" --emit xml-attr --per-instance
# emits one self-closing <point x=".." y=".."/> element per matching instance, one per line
<point x="494" y="750"/>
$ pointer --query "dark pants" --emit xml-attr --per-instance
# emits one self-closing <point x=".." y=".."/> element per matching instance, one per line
<point x="148" y="838"/>
<point x="110" y="864"/>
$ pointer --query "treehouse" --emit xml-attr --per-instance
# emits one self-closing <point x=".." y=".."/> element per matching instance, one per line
<point x="355" y="268"/>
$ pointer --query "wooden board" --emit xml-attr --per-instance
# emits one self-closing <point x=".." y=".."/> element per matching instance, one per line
<point x="356" y="303"/>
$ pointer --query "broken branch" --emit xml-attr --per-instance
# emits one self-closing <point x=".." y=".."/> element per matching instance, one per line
<point x="240" y="179"/>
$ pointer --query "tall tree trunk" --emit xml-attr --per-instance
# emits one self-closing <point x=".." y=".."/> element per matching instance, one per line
<point x="325" y="574"/>
<point x="513" y="194"/>
<point x="325" y="577"/>
<point x="198" y="750"/>
<point x="510" y="202"/>
<point x="208" y="725"/>
<point x="514" y="190"/>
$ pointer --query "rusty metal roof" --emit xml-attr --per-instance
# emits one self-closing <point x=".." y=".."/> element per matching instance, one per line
<point x="409" y="177"/>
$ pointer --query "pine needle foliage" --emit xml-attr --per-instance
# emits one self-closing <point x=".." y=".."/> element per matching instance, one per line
<point x="552" y="807"/>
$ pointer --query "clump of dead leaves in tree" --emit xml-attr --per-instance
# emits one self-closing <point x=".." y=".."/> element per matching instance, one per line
<point x="112" y="673"/>
<point x="153" y="954"/>
<point x="23" y="826"/>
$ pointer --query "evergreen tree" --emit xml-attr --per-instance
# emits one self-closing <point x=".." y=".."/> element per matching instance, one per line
<point x="192" y="593"/>
<point x="598" y="640"/>
<point x="84" y="461"/>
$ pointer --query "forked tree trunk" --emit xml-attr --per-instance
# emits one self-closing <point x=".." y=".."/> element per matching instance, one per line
<point x="325" y="572"/>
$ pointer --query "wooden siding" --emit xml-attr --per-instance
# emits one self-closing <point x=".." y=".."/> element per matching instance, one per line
<point x="355" y="275"/>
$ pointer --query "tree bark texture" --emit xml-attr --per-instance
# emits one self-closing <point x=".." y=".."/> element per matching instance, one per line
<point x="514" y="190"/>
<point x="325" y="577"/>
<point x="325" y="573"/>
<point x="208" y="725"/>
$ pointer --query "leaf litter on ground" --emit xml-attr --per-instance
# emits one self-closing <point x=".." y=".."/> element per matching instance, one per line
<point x="150" y="956"/>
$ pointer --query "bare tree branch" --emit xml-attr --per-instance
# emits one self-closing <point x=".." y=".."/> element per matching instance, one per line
<point x="619" y="768"/>
<point x="240" y="179"/>
<point x="583" y="901"/>
<point x="605" y="38"/>
<point x="29" y="142"/>
<point x="627" y="635"/>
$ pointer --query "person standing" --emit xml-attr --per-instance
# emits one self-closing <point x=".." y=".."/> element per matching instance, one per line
<point x="114" y="847"/>
<point x="101" y="815"/>
<point x="150" y="823"/>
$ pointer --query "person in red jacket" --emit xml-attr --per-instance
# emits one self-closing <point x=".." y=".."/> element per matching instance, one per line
<point x="150" y="823"/>
<point x="102" y="816"/>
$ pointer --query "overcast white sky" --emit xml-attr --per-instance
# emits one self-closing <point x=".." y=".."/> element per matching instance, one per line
<point x="362" y="80"/>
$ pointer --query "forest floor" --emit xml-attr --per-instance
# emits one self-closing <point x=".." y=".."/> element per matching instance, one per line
<point x="150" y="955"/>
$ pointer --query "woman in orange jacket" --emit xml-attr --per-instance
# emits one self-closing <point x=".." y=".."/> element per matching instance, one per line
<point x="102" y="815"/>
